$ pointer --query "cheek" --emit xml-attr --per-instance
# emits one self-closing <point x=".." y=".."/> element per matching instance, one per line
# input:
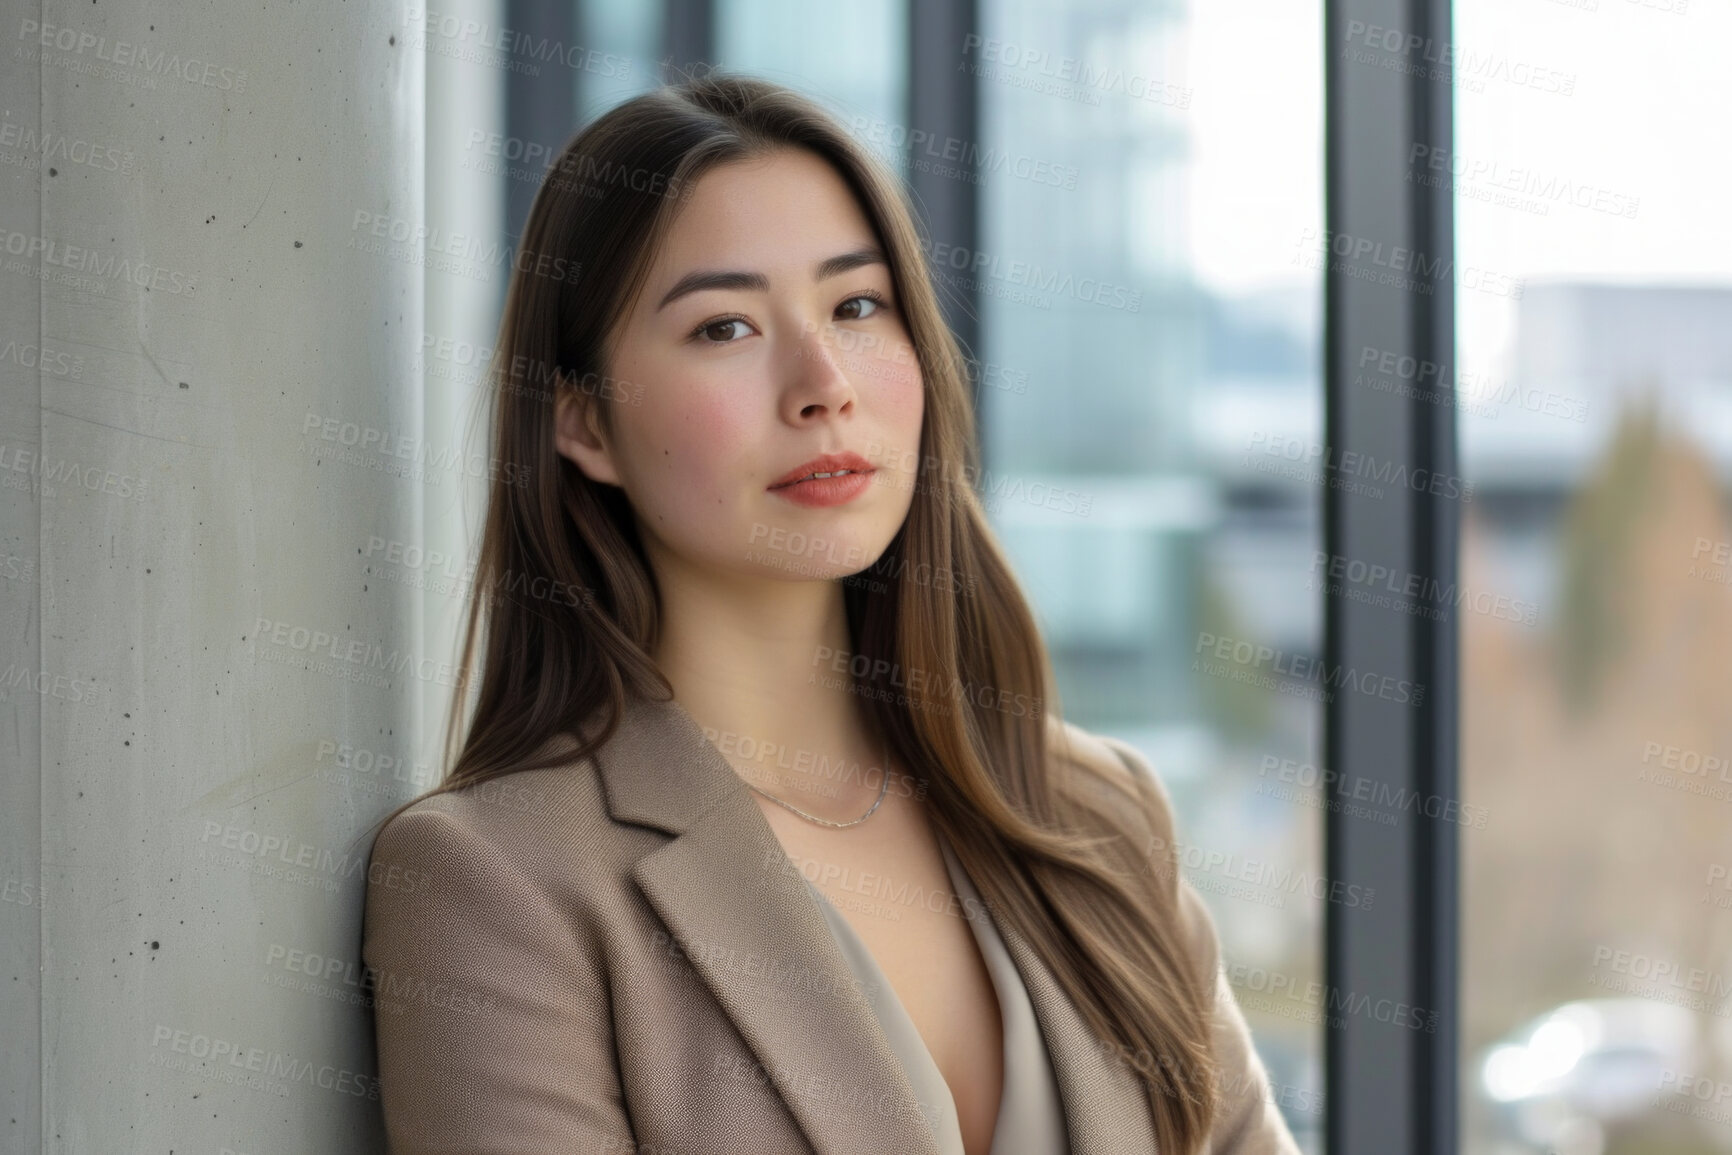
<point x="900" y="413"/>
<point x="908" y="400"/>
<point x="689" y="453"/>
<point x="903" y="404"/>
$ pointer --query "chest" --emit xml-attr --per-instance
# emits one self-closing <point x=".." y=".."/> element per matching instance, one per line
<point x="891" y="885"/>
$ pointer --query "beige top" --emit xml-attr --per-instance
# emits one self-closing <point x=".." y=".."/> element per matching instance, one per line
<point x="1030" y="1112"/>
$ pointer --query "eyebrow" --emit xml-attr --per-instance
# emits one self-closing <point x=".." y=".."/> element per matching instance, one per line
<point x="757" y="282"/>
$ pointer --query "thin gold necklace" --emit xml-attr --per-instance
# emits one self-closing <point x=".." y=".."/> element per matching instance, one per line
<point x="883" y="788"/>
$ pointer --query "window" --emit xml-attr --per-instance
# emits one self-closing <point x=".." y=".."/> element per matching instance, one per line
<point x="1149" y="345"/>
<point x="1595" y="410"/>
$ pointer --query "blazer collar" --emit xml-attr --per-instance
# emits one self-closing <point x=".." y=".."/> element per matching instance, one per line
<point x="757" y="938"/>
<point x="660" y="770"/>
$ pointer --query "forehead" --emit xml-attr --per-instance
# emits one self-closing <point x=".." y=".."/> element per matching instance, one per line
<point x="787" y="209"/>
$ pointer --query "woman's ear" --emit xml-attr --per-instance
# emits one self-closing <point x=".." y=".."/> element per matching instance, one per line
<point x="577" y="433"/>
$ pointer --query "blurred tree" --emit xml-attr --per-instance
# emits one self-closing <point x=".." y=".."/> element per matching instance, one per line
<point x="1581" y="850"/>
<point x="1598" y="532"/>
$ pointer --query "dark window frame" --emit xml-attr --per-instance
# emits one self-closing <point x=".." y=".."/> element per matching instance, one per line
<point x="1390" y="1087"/>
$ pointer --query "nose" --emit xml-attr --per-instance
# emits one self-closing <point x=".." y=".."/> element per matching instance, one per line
<point x="816" y="382"/>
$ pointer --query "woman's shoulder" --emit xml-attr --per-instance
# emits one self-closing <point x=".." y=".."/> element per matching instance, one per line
<point x="1115" y="767"/>
<point x="1112" y="770"/>
<point x="517" y="822"/>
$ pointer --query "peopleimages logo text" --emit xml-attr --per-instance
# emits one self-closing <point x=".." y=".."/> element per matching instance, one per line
<point x="1302" y="668"/>
<point x="1310" y="776"/>
<point x="1351" y="463"/>
<point x="1026" y="275"/>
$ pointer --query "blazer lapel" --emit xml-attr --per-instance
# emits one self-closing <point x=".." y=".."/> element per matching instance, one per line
<point x="1106" y="1110"/>
<point x="755" y="935"/>
<point x="759" y="941"/>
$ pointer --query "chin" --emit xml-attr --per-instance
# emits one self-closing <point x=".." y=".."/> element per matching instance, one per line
<point x="811" y="553"/>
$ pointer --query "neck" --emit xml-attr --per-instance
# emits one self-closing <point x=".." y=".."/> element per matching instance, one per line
<point x="755" y="663"/>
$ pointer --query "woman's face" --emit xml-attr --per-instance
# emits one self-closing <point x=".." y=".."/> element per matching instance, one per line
<point x="767" y="336"/>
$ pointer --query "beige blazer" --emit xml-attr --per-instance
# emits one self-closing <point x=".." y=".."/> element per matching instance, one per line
<point x="604" y="956"/>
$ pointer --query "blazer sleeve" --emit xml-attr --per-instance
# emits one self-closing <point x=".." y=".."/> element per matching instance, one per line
<point x="1247" y="1122"/>
<point x="491" y="1019"/>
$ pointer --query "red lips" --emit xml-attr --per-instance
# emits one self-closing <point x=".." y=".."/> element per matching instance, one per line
<point x="828" y="463"/>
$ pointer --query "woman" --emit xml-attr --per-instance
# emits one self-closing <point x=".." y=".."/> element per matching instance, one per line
<point x="764" y="835"/>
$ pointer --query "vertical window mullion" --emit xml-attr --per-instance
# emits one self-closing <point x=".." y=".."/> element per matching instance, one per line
<point x="1393" y="501"/>
<point x="688" y="35"/>
<point x="539" y="101"/>
<point x="944" y="103"/>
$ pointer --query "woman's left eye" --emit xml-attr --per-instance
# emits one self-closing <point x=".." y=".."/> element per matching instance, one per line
<point x="721" y="331"/>
<point x="859" y="307"/>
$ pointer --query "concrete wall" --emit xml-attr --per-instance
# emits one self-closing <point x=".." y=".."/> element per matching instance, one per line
<point x="466" y="195"/>
<point x="211" y="415"/>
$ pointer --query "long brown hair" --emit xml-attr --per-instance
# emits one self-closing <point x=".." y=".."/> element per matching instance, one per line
<point x="1055" y="860"/>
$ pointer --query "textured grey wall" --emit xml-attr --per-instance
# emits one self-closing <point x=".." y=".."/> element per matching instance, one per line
<point x="210" y="414"/>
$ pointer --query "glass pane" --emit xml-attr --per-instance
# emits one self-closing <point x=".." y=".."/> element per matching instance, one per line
<point x="627" y="36"/>
<point x="1595" y="404"/>
<point x="853" y="57"/>
<point x="1147" y="324"/>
